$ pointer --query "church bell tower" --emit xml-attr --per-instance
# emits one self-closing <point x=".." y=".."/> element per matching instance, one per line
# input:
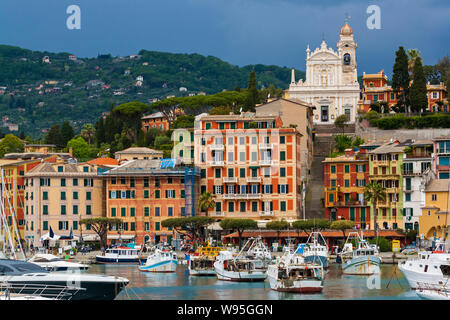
<point x="347" y="52"/>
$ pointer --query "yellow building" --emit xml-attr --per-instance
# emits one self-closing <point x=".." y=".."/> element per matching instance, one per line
<point x="58" y="195"/>
<point x="138" y="153"/>
<point x="435" y="214"/>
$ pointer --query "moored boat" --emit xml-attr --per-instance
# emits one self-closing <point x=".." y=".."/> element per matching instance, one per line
<point x="119" y="255"/>
<point x="315" y="250"/>
<point x="201" y="262"/>
<point x="160" y="261"/>
<point x="362" y="260"/>
<point x="292" y="273"/>
<point x="51" y="262"/>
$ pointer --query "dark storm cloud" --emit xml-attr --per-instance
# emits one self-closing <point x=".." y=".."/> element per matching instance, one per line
<point x="238" y="31"/>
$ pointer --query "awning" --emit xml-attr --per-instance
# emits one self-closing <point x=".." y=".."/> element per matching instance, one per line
<point x="91" y="237"/>
<point x="123" y="237"/>
<point x="47" y="237"/>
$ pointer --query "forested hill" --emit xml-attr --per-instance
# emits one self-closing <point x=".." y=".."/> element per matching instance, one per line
<point x="36" y="92"/>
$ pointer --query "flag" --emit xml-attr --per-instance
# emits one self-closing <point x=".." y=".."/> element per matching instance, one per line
<point x="51" y="234"/>
<point x="71" y="234"/>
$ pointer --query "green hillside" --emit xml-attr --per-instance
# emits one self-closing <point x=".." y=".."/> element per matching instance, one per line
<point x="39" y="94"/>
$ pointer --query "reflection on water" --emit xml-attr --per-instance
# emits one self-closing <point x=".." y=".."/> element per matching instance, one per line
<point x="180" y="286"/>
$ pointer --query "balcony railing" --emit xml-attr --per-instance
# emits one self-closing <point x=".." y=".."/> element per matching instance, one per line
<point x="230" y="179"/>
<point x="253" y="179"/>
<point x="381" y="162"/>
<point x="265" y="162"/>
<point x="242" y="196"/>
<point x="266" y="213"/>
<point x="351" y="204"/>
<point x="443" y="151"/>
<point x="411" y="173"/>
<point x="216" y="146"/>
<point x="413" y="156"/>
<point x="217" y="213"/>
<point x="266" y="145"/>
<point x="217" y="163"/>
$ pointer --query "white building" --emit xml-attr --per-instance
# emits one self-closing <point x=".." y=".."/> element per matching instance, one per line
<point x="331" y="83"/>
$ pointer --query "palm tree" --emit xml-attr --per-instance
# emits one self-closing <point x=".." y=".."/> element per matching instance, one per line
<point x="374" y="192"/>
<point x="88" y="132"/>
<point x="206" y="201"/>
<point x="413" y="55"/>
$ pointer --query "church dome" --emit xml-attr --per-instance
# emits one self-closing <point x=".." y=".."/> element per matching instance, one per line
<point x="346" y="30"/>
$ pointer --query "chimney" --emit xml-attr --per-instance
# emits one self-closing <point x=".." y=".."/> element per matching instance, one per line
<point x="70" y="152"/>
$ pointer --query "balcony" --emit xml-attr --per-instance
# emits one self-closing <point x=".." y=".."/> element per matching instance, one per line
<point x="266" y="213"/>
<point x="443" y="151"/>
<point x="418" y="156"/>
<point x="266" y="146"/>
<point x="411" y="173"/>
<point x="392" y="190"/>
<point x="381" y="163"/>
<point x="266" y="162"/>
<point x="217" y="163"/>
<point x="350" y="204"/>
<point x="217" y="214"/>
<point x="229" y="179"/>
<point x="253" y="179"/>
<point x="216" y="146"/>
<point x="443" y="167"/>
<point x="245" y="196"/>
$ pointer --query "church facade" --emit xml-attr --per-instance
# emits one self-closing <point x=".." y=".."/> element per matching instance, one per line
<point x="331" y="83"/>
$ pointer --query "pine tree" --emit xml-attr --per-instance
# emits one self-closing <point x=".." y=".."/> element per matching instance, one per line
<point x="418" y="92"/>
<point x="400" y="77"/>
<point x="22" y="135"/>
<point x="100" y="133"/>
<point x="54" y="136"/>
<point x="253" y="92"/>
<point x="67" y="132"/>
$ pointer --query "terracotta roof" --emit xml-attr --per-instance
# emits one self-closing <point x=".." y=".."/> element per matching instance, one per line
<point x="389" y="147"/>
<point x="104" y="161"/>
<point x="139" y="150"/>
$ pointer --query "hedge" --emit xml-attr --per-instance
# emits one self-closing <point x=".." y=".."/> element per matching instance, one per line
<point x="416" y="122"/>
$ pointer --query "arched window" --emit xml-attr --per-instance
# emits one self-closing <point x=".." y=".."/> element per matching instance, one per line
<point x="347" y="59"/>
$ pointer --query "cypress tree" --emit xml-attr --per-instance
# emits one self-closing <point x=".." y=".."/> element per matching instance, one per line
<point x="253" y="92"/>
<point x="418" y="92"/>
<point x="54" y="136"/>
<point x="400" y="76"/>
<point x="67" y="132"/>
<point x="100" y="133"/>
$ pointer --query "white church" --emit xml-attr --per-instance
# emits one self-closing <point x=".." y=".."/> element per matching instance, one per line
<point x="331" y="83"/>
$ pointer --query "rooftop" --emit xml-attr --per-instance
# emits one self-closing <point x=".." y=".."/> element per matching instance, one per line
<point x="438" y="185"/>
<point x="149" y="167"/>
<point x="139" y="150"/>
<point x="104" y="161"/>
<point x="390" y="147"/>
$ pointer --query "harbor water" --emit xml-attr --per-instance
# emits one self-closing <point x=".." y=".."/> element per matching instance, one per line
<point x="390" y="285"/>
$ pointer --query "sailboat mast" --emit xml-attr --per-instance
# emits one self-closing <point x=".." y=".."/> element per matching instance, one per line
<point x="5" y="223"/>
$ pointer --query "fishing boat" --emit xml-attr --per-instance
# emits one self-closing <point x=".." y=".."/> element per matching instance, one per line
<point x="160" y="261"/>
<point x="240" y="267"/>
<point x="362" y="260"/>
<point x="259" y="250"/>
<point x="431" y="267"/>
<point x="119" y="255"/>
<point x="201" y="262"/>
<point x="24" y="276"/>
<point x="315" y="250"/>
<point x="51" y="262"/>
<point x="292" y="273"/>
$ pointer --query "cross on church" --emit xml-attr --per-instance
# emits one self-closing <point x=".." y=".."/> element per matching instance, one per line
<point x="347" y="17"/>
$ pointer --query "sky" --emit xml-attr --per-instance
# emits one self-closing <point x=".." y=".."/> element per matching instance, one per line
<point x="240" y="32"/>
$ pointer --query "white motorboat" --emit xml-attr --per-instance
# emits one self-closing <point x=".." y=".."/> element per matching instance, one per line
<point x="433" y="294"/>
<point x="292" y="273"/>
<point x="241" y="267"/>
<point x="119" y="255"/>
<point x="315" y="250"/>
<point x="259" y="250"/>
<point x="431" y="268"/>
<point x="160" y="261"/>
<point x="24" y="276"/>
<point x="363" y="260"/>
<point x="53" y="263"/>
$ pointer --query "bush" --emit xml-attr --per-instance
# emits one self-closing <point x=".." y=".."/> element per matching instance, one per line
<point x="418" y="122"/>
<point x="384" y="244"/>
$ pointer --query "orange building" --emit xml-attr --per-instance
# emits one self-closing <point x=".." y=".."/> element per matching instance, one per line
<point x="143" y="193"/>
<point x="154" y="120"/>
<point x="251" y="163"/>
<point x="345" y="178"/>
<point x="376" y="88"/>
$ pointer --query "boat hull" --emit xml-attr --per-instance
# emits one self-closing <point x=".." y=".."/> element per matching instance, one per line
<point x="365" y="265"/>
<point x="202" y="272"/>
<point x="162" y="266"/>
<point x="239" y="276"/>
<point x="102" y="259"/>
<point x="296" y="286"/>
<point x="416" y="278"/>
<point x="432" y="295"/>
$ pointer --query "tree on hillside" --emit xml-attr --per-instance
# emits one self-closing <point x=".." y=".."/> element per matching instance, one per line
<point x="418" y="91"/>
<point x="9" y="144"/>
<point x="341" y="122"/>
<point x="169" y="108"/>
<point x="88" y="132"/>
<point x="239" y="225"/>
<point x="400" y="77"/>
<point x="443" y="66"/>
<point x="54" y="136"/>
<point x="130" y="115"/>
<point x="101" y="225"/>
<point x="80" y="148"/>
<point x="67" y="132"/>
<point x="374" y="192"/>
